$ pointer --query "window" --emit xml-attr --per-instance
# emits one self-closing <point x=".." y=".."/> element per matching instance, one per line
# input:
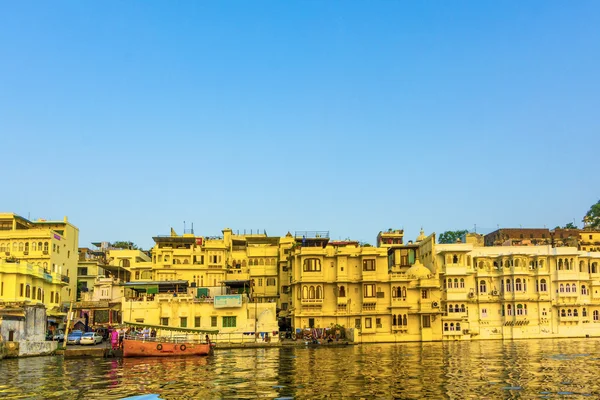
<point x="455" y="283"/>
<point x="369" y="290"/>
<point x="482" y="287"/>
<point x="563" y="313"/>
<point x="342" y="292"/>
<point x="378" y="322"/>
<point x="312" y="265"/>
<point x="284" y="306"/>
<point x="164" y="321"/>
<point x="508" y="285"/>
<point x="1" y="288"/>
<point x="213" y="321"/>
<point x="509" y="309"/>
<point x="357" y="322"/>
<point x="426" y="321"/>
<point x="229" y="322"/>
<point x="484" y="313"/>
<point x="543" y="286"/>
<point x="424" y="294"/>
<point x="22" y="290"/>
<point x="562" y="288"/>
<point x="584" y="290"/>
<point x="260" y="282"/>
<point x="518" y="285"/>
<point x="368" y="323"/>
<point x="197" y="322"/>
<point x="368" y="265"/>
<point x="544" y="312"/>
<point x="519" y="309"/>
<point x="271" y="282"/>
<point x="27" y="291"/>
<point x="319" y="292"/>
<point x="462" y="283"/>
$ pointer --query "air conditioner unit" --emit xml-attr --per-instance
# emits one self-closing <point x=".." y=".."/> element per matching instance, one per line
<point x="494" y="293"/>
<point x="471" y="294"/>
<point x="434" y="304"/>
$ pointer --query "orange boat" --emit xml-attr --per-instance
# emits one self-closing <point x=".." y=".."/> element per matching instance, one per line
<point x="164" y="346"/>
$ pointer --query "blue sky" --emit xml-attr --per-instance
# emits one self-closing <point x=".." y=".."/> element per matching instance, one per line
<point x="353" y="117"/>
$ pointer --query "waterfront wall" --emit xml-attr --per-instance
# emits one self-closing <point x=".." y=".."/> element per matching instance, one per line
<point x="45" y="348"/>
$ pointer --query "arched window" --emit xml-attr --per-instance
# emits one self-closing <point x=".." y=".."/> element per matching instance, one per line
<point x="186" y="261"/>
<point x="543" y="286"/>
<point x="462" y="283"/>
<point x="394" y="323"/>
<point x="243" y="263"/>
<point x="571" y="264"/>
<point x="468" y="261"/>
<point x="27" y="291"/>
<point x="319" y="292"/>
<point x="581" y="264"/>
<point x="39" y="296"/>
<point x="462" y="308"/>
<point x="584" y="312"/>
<point x="518" y="285"/>
<point x="563" y="313"/>
<point x="508" y="285"/>
<point x="456" y="308"/>
<point x="311" y="292"/>
<point x="574" y="288"/>
<point x="403" y="291"/>
<point x="176" y="261"/>
<point x="262" y="261"/>
<point x="517" y="263"/>
<point x="519" y="309"/>
<point x="568" y="288"/>
<point x="458" y="326"/>
<point x="480" y="264"/>
<point x="305" y="292"/>
<point x="482" y="287"/>
<point x="452" y="326"/>
<point x="569" y="313"/>
<point x="404" y="320"/>
<point x="596" y="315"/>
<point x="342" y="292"/>
<point x="584" y="290"/>
<point x="509" y="309"/>
<point x="393" y="291"/>
<point x="575" y="313"/>
<point x="455" y="259"/>
<point x="46" y="248"/>
<point x="445" y="327"/>
<point x="456" y="283"/>
<point x="594" y="268"/>
<point x="21" y="246"/>
<point x="561" y="288"/>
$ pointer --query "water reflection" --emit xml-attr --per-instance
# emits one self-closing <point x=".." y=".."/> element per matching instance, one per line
<point x="478" y="370"/>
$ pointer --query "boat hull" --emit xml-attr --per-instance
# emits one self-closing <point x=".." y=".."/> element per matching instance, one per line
<point x="138" y="348"/>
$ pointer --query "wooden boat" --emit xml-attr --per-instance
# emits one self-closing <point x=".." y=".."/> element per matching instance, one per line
<point x="166" y="346"/>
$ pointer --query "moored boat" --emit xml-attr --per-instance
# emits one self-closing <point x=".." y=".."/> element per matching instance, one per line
<point x="166" y="346"/>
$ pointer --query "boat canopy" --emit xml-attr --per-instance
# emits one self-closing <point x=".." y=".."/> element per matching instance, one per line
<point x="171" y="328"/>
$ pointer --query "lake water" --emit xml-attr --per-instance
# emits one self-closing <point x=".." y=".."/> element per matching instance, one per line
<point x="460" y="370"/>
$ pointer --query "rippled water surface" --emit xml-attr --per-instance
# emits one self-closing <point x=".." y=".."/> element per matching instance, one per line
<point x="478" y="370"/>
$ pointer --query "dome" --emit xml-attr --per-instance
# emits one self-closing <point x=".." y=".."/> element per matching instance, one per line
<point x="418" y="270"/>
<point x="421" y="236"/>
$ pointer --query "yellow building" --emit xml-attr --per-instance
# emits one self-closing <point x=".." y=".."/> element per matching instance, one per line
<point x="236" y="318"/>
<point x="589" y="240"/>
<point x="378" y="294"/>
<point x="41" y="254"/>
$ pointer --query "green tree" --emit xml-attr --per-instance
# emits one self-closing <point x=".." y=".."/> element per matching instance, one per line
<point x="592" y="218"/>
<point x="125" y="245"/>
<point x="451" y="236"/>
<point x="570" y="225"/>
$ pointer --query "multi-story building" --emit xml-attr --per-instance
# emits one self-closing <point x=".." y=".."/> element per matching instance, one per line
<point x="385" y="293"/>
<point x="515" y="292"/>
<point x="48" y="248"/>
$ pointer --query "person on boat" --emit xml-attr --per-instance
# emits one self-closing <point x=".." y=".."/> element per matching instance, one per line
<point x="207" y="339"/>
<point x="153" y="333"/>
<point x="121" y="336"/>
<point x="114" y="339"/>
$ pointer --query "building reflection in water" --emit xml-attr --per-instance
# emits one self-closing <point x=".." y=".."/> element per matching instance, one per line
<point x="483" y="369"/>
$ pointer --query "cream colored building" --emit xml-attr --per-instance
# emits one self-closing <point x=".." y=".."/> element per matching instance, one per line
<point x="512" y="292"/>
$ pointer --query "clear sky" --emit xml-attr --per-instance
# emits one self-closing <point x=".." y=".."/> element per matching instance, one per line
<point x="133" y="116"/>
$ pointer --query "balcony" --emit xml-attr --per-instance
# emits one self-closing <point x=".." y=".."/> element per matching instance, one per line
<point x="312" y="301"/>
<point x="64" y="278"/>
